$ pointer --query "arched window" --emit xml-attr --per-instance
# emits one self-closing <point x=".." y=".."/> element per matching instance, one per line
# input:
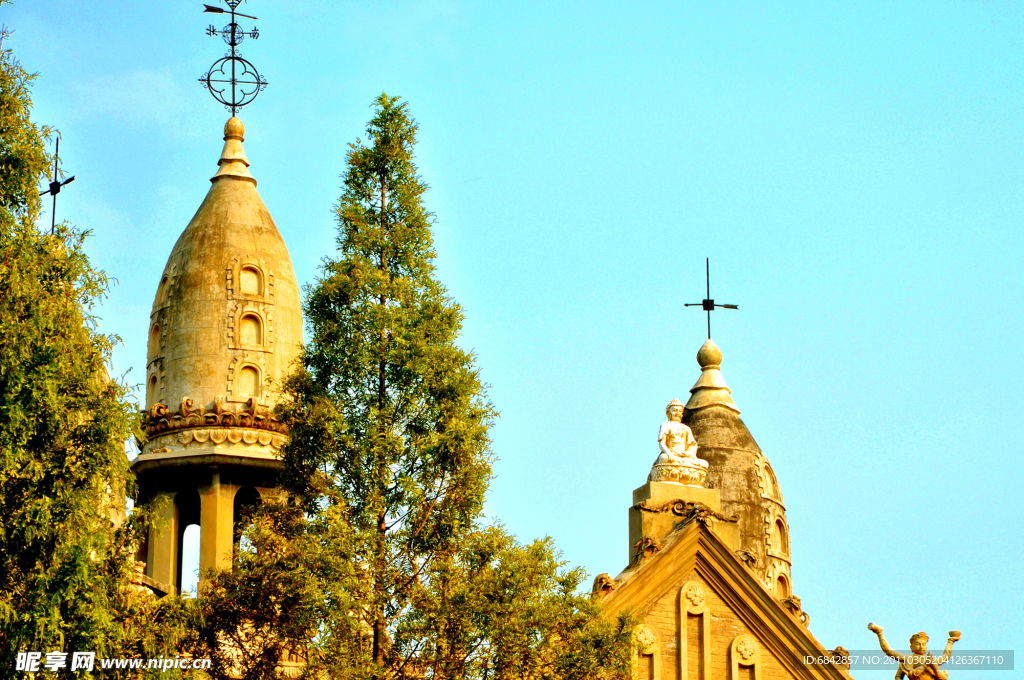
<point x="248" y="382"/>
<point x="161" y="292"/>
<point x="781" y="587"/>
<point x="774" y="482"/>
<point x="250" y="280"/>
<point x="251" y="330"/>
<point x="781" y="539"/>
<point x="151" y="391"/>
<point x="154" y="341"/>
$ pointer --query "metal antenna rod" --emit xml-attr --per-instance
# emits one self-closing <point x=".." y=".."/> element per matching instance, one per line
<point x="55" y="187"/>
<point x="707" y="275"/>
<point x="53" y="217"/>
<point x="707" y="304"/>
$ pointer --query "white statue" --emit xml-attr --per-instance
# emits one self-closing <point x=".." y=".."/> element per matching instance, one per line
<point x="675" y="439"/>
<point x="678" y="461"/>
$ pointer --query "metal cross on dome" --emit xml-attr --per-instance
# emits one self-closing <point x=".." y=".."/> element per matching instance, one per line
<point x="55" y="186"/>
<point x="232" y="80"/>
<point x="708" y="304"/>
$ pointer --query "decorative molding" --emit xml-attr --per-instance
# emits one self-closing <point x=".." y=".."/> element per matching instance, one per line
<point x="687" y="510"/>
<point x="257" y="360"/>
<point x="253" y="416"/>
<point x="689" y="475"/>
<point x="261" y="311"/>
<point x="233" y="273"/>
<point x="744" y="651"/>
<point x="693" y="601"/>
<point x="646" y="642"/>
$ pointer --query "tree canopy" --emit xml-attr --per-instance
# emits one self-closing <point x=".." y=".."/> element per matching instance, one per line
<point x="389" y="435"/>
<point x="65" y="564"/>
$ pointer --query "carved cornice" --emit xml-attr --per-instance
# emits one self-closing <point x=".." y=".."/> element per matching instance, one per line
<point x="251" y="415"/>
<point x="687" y="510"/>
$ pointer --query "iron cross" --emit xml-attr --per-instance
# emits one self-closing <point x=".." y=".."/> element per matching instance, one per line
<point x="55" y="186"/>
<point x="708" y="304"/>
<point x="232" y="80"/>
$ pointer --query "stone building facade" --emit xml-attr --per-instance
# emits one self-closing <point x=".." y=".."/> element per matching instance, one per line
<point x="709" y="574"/>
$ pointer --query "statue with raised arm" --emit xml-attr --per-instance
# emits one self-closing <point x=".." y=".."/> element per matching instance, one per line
<point x="678" y="461"/>
<point x="919" y="664"/>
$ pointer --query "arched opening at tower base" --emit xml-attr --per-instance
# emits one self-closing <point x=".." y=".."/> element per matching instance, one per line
<point x="187" y="503"/>
<point x="247" y="501"/>
<point x="190" y="560"/>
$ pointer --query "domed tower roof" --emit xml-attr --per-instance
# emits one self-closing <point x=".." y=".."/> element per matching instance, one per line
<point x="741" y="472"/>
<point x="226" y="325"/>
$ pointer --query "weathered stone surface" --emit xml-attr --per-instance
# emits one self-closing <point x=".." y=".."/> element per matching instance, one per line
<point x="225" y="328"/>
<point x="741" y="472"/>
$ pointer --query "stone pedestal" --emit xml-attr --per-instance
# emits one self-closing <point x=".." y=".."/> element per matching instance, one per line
<point x="660" y="524"/>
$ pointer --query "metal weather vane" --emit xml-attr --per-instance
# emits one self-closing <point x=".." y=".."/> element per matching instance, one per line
<point x="55" y="186"/>
<point x="708" y="304"/>
<point x="232" y="80"/>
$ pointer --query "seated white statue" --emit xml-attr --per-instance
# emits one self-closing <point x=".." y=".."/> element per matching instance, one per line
<point x="678" y="446"/>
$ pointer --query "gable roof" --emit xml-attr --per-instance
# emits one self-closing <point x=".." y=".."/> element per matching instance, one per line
<point x="695" y="547"/>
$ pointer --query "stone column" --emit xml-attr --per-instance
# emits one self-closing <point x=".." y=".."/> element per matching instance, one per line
<point x="162" y="558"/>
<point x="216" y="524"/>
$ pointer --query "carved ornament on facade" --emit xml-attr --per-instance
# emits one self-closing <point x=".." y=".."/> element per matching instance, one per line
<point x="695" y="594"/>
<point x="644" y="548"/>
<point x="747" y="558"/>
<point x="251" y="415"/>
<point x="792" y="603"/>
<point x="603" y="584"/>
<point x="746" y="647"/>
<point x="687" y="510"/>
<point x="645" y="639"/>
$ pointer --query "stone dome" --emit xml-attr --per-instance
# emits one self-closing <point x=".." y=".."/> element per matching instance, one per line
<point x="226" y="323"/>
<point x="742" y="473"/>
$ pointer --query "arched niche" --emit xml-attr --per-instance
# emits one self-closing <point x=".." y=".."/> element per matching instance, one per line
<point x="250" y="280"/>
<point x="161" y="292"/>
<point x="250" y="330"/>
<point x="781" y="587"/>
<point x="154" y="341"/>
<point x="248" y="382"/>
<point x="781" y="537"/>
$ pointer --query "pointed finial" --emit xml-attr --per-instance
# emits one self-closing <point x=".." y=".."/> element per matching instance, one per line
<point x="710" y="389"/>
<point x="233" y="161"/>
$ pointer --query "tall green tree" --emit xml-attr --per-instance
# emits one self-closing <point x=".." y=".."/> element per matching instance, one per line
<point x="389" y="423"/>
<point x="65" y="569"/>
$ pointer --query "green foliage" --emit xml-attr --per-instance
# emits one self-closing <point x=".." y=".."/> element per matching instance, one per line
<point x="389" y="427"/>
<point x="264" y="613"/>
<point x="64" y="567"/>
<point x="22" y="157"/>
<point x="389" y="419"/>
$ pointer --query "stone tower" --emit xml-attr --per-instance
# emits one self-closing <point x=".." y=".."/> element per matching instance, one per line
<point x="225" y="328"/>
<point x="741" y="472"/>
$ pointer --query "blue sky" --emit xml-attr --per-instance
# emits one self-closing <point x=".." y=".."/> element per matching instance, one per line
<point x="853" y="172"/>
